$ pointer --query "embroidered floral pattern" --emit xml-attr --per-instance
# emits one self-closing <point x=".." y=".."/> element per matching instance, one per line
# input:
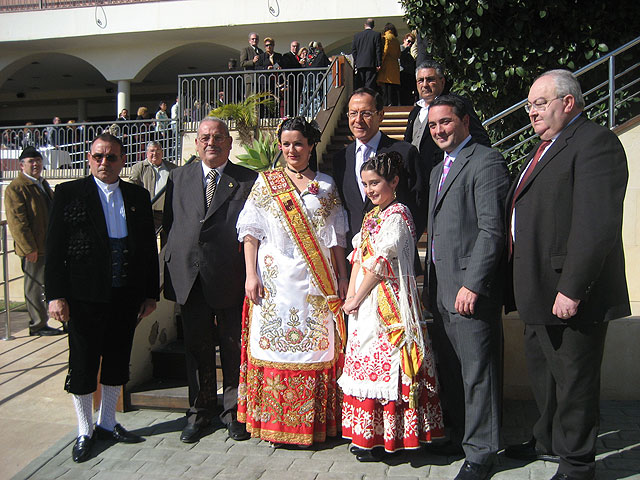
<point x="292" y="334"/>
<point x="75" y="213"/>
<point x="313" y="188"/>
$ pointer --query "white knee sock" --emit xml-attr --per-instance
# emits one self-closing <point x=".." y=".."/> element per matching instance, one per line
<point x="84" y="411"/>
<point x="107" y="414"/>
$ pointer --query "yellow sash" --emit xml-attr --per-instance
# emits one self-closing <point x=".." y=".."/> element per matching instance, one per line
<point x="304" y="237"/>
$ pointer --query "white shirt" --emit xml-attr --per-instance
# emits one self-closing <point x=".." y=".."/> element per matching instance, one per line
<point x="37" y="181"/>
<point x="113" y="208"/>
<point x="206" y="170"/>
<point x="162" y="175"/>
<point x="372" y="147"/>
<point x="424" y="111"/>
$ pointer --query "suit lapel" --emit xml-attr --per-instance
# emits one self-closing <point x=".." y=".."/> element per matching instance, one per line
<point x="226" y="186"/>
<point x="129" y="208"/>
<point x="351" y="180"/>
<point x="94" y="208"/>
<point x="194" y="187"/>
<point x="456" y="167"/>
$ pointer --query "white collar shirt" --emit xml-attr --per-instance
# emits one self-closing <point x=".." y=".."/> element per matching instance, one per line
<point x="113" y="208"/>
<point x="367" y="150"/>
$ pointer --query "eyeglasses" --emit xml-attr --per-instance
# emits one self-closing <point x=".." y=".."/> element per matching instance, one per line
<point x="268" y="44"/>
<point x="110" y="157"/>
<point x="539" y="105"/>
<point x="365" y="114"/>
<point x="216" y="138"/>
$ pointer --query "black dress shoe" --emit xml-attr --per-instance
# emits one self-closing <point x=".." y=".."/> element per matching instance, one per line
<point x="527" y="451"/>
<point x="473" y="471"/>
<point x="45" y="331"/>
<point x="238" y="431"/>
<point x="446" y="449"/>
<point x="119" y="434"/>
<point x="193" y="431"/>
<point x="82" y="449"/>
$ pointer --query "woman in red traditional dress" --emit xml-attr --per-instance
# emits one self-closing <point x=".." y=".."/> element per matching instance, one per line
<point x="389" y="379"/>
<point x="293" y="227"/>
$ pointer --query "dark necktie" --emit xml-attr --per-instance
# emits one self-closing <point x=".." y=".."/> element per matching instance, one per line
<point x="520" y="186"/>
<point x="212" y="181"/>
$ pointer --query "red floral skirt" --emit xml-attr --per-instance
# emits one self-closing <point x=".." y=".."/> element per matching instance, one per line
<point x="370" y="422"/>
<point x="287" y="404"/>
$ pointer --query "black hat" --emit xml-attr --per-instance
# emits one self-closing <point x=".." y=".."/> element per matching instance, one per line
<point x="30" y="152"/>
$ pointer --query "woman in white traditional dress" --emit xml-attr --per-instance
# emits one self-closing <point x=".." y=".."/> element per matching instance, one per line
<point x="389" y="380"/>
<point x="293" y="227"/>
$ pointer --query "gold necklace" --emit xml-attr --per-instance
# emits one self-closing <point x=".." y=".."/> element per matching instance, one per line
<point x="298" y="172"/>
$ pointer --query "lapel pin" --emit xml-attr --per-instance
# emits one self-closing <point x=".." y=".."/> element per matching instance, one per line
<point x="133" y="209"/>
<point x="230" y="185"/>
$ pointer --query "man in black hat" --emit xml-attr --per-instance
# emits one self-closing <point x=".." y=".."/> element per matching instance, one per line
<point x="27" y="201"/>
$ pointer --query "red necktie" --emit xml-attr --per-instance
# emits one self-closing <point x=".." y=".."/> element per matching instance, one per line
<point x="520" y="186"/>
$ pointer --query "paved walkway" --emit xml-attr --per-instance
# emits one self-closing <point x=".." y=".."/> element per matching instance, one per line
<point x="37" y="426"/>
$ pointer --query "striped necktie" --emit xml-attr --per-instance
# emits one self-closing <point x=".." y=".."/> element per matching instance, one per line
<point x="445" y="170"/>
<point x="212" y="182"/>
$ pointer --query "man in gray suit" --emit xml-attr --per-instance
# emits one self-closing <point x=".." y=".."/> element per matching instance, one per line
<point x="466" y="240"/>
<point x="206" y="273"/>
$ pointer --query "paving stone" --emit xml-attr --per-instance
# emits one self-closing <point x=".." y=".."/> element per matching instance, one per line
<point x="621" y="463"/>
<point x="389" y="477"/>
<point x="223" y="460"/>
<point x="154" y="454"/>
<point x="173" y="442"/>
<point x="202" y="471"/>
<point x="355" y="466"/>
<point x="338" y="476"/>
<point x="249" y="449"/>
<point x="78" y="475"/>
<point x="163" y="470"/>
<point x="311" y="465"/>
<point x="117" y="465"/>
<point x="445" y="471"/>
<point x="92" y="462"/>
<point x="407" y="469"/>
<point x="280" y="475"/>
<point x="50" y="473"/>
<point x="236" y="474"/>
<point x="293" y="452"/>
<point x="120" y="451"/>
<point x="520" y="474"/>
<point x="116" y="476"/>
<point x="187" y="458"/>
<point x="270" y="463"/>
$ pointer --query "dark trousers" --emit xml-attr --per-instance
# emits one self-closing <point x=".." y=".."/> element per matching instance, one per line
<point x="203" y="325"/>
<point x="564" y="368"/>
<point x="468" y="352"/>
<point x="366" y="77"/>
<point x="101" y="331"/>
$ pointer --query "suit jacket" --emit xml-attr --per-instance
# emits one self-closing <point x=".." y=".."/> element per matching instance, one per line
<point x="203" y="243"/>
<point x="430" y="153"/>
<point x="569" y="228"/>
<point x="144" y="174"/>
<point x="27" y="210"/>
<point x="289" y="60"/>
<point x="264" y="63"/>
<point x="466" y="225"/>
<point x="367" y="49"/>
<point x="246" y="57"/>
<point x="411" y="189"/>
<point x="78" y="264"/>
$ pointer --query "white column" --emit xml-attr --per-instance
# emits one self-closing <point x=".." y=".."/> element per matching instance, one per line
<point x="124" y="88"/>
<point x="82" y="110"/>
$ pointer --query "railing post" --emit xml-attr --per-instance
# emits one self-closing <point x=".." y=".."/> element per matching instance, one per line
<point x="612" y="91"/>
<point x="5" y="269"/>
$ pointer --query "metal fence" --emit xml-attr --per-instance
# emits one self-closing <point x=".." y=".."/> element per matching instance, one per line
<point x="64" y="147"/>
<point x="611" y="88"/>
<point x="295" y="92"/>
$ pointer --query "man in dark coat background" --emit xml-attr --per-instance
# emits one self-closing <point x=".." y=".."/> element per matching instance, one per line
<point x="367" y="55"/>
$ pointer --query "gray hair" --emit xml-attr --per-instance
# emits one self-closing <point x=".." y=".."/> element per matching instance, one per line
<point x="153" y="143"/>
<point x="253" y="33"/>
<point x="431" y="64"/>
<point x="566" y="84"/>
<point x="214" y="119"/>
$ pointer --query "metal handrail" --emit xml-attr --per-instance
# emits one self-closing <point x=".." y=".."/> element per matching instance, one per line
<point x="5" y="279"/>
<point x="611" y="97"/>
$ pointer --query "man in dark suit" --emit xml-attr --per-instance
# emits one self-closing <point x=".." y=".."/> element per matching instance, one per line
<point x="367" y="55"/>
<point x="365" y="115"/>
<point x="270" y="60"/>
<point x="248" y="60"/>
<point x="291" y="59"/>
<point x="205" y="266"/>
<point x="292" y="81"/>
<point x="465" y="247"/>
<point x="565" y="235"/>
<point x="101" y="276"/>
<point x="431" y="83"/>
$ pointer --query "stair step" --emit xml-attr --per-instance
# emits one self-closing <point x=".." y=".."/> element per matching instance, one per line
<point x="163" y="394"/>
<point x="398" y="130"/>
